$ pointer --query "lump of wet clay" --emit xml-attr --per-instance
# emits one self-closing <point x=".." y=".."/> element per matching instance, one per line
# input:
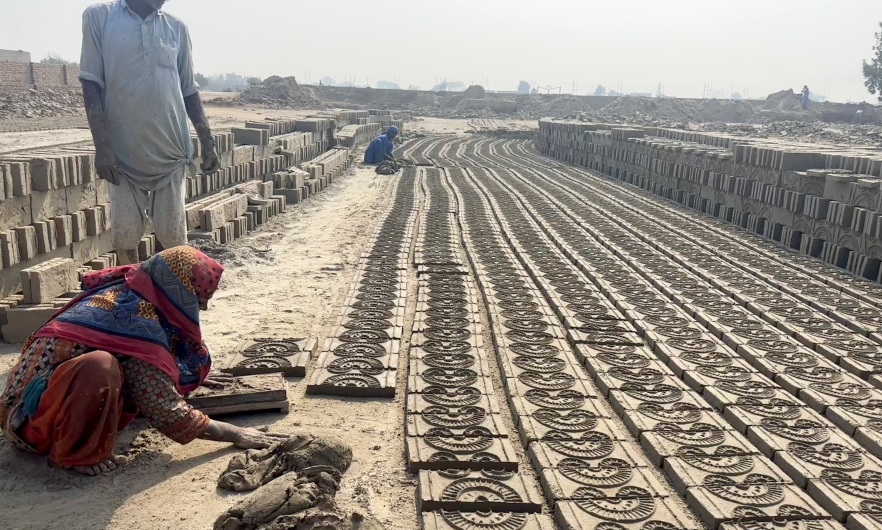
<point x="323" y="519"/>
<point x="291" y="493"/>
<point x="254" y="468"/>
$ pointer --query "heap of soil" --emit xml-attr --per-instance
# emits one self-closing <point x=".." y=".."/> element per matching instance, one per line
<point x="564" y="106"/>
<point x="474" y="92"/>
<point x="42" y="103"/>
<point x="785" y="100"/>
<point x="280" y="93"/>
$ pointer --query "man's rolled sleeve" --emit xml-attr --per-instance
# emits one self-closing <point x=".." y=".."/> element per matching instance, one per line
<point x="189" y="86"/>
<point x="91" y="57"/>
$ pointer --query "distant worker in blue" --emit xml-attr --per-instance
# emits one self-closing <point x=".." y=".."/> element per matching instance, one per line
<point x="381" y="147"/>
<point x="805" y="96"/>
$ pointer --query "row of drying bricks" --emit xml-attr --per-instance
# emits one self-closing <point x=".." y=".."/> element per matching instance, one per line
<point x="395" y="228"/>
<point x="631" y="407"/>
<point x="746" y="419"/>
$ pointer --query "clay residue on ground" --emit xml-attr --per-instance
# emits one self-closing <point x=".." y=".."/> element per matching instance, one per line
<point x="295" y="289"/>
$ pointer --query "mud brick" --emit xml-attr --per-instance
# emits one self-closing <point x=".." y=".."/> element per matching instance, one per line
<point x="577" y="515"/>
<point x="263" y="356"/>
<point x="671" y="390"/>
<point x="476" y="451"/>
<point x="819" y="396"/>
<point x="578" y="336"/>
<point x="771" y="435"/>
<point x="43" y="174"/>
<point x="9" y="248"/>
<point x="686" y="417"/>
<point x="21" y="178"/>
<point x="441" y="338"/>
<point x="559" y="486"/>
<point x="63" y="226"/>
<point x="45" y="236"/>
<point x="590" y="417"/>
<point x="49" y="280"/>
<point x="423" y="403"/>
<point x="726" y="393"/>
<point x="23" y="320"/>
<point x="535" y="400"/>
<point x="664" y="443"/>
<point x="705" y="376"/>
<point x="706" y="344"/>
<point x="592" y="446"/>
<point x="713" y="507"/>
<point x="691" y="362"/>
<point x="454" y="420"/>
<point x="94" y="220"/>
<point x="323" y="381"/>
<point x="805" y="464"/>
<point x="449" y="491"/>
<point x="524" y="383"/>
<point x="684" y="475"/>
<point x="27" y="242"/>
<point x="870" y="438"/>
<point x="615" y="378"/>
<point x="843" y="496"/>
<point x="444" y="520"/>
<point x="776" y="525"/>
<point x="419" y="384"/>
<point x="48" y="204"/>
<point x="626" y="366"/>
<point x="449" y="377"/>
<point x="591" y="351"/>
<point x="539" y="371"/>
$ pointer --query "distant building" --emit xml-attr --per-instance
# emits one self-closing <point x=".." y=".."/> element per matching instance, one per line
<point x="641" y="94"/>
<point x="18" y="56"/>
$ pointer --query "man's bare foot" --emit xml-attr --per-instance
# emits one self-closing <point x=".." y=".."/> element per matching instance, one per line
<point x="98" y="469"/>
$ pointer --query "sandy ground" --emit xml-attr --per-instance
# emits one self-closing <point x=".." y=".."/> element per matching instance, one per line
<point x="296" y="289"/>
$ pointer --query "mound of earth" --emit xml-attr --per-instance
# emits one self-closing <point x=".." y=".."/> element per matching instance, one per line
<point x="280" y="92"/>
<point x="474" y="92"/>
<point x="785" y="100"/>
<point x="42" y="103"/>
<point x="565" y="106"/>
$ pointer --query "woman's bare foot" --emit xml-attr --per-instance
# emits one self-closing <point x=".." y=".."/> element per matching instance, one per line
<point x="98" y="469"/>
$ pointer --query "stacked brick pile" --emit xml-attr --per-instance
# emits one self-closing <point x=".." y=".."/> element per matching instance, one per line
<point x="822" y="201"/>
<point x="53" y="206"/>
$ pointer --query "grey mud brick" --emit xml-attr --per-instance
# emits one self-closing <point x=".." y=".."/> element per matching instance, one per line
<point x="842" y="496"/>
<point x="9" y="248"/>
<point x="49" y="280"/>
<point x="606" y="477"/>
<point x="773" y="435"/>
<point x="243" y="394"/>
<point x="864" y="521"/>
<point x="456" y="420"/>
<point x="804" y="462"/>
<point x="24" y="320"/>
<point x="650" y="416"/>
<point x="663" y="443"/>
<point x="871" y="438"/>
<point x="481" y="384"/>
<point x="325" y="382"/>
<point x="475" y="449"/>
<point x="692" y="466"/>
<point x="477" y="491"/>
<point x="783" y="525"/>
<point x="357" y="364"/>
<point x="726" y="393"/>
<point x="263" y="356"/>
<point x="591" y="416"/>
<point x="27" y="242"/>
<point x="444" y="520"/>
<point x="633" y="513"/>
<point x="751" y="498"/>
<point x="594" y="446"/>
<point x="443" y="402"/>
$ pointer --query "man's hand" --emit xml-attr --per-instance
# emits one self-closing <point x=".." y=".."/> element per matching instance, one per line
<point x="210" y="162"/>
<point x="107" y="166"/>
<point x="254" y="439"/>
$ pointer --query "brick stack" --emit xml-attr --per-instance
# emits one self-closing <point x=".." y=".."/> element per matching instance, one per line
<point x="824" y="201"/>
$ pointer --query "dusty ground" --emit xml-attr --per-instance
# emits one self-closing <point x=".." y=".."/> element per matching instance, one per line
<point x="296" y="289"/>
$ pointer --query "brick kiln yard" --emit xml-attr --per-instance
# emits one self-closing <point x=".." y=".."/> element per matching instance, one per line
<point x="590" y="327"/>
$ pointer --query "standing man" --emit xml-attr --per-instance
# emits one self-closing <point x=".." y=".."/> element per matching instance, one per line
<point x="139" y="87"/>
<point x="805" y="96"/>
<point x="380" y="148"/>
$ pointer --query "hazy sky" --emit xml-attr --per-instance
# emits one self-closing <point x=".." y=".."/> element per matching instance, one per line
<point x="755" y="46"/>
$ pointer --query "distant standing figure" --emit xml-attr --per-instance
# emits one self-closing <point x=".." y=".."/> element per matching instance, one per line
<point x="858" y="117"/>
<point x="805" y="96"/>
<point x="380" y="148"/>
<point x="139" y="87"/>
